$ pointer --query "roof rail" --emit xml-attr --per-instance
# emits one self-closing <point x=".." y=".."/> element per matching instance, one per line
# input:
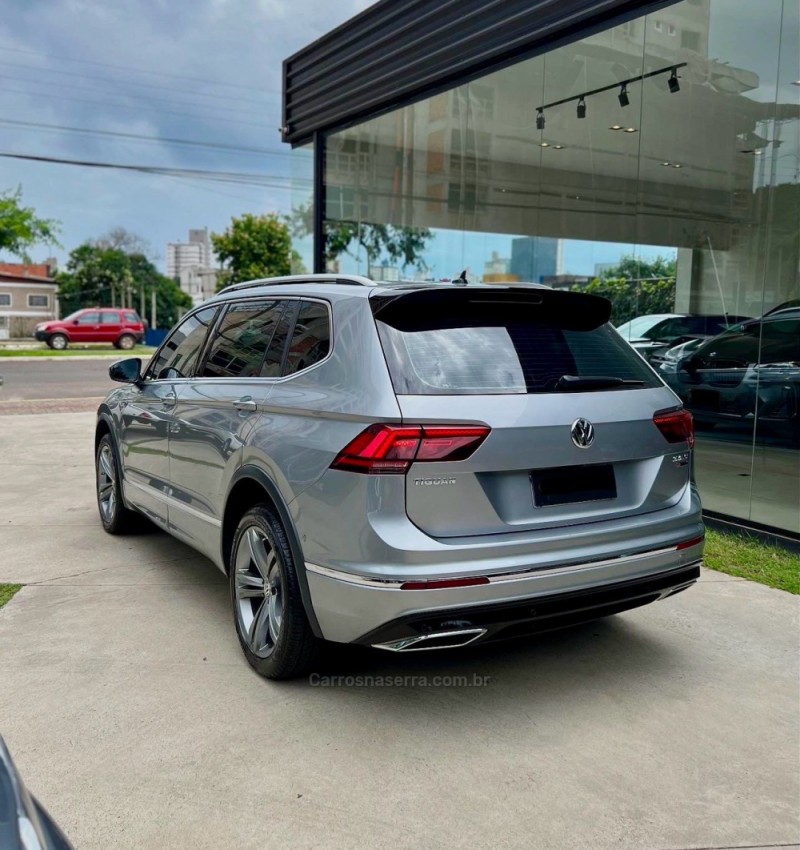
<point x="348" y="280"/>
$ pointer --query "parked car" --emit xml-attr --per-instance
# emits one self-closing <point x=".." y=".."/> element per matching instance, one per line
<point x="122" y="327"/>
<point x="24" y="822"/>
<point x="405" y="467"/>
<point x="751" y="370"/>
<point x="653" y="339"/>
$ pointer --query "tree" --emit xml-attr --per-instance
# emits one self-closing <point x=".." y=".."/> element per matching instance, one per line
<point x="636" y="287"/>
<point x="123" y="240"/>
<point x="97" y="276"/>
<point x="252" y="247"/>
<point x="405" y="245"/>
<point x="20" y="227"/>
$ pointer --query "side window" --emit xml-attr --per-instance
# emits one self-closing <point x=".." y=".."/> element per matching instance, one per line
<point x="109" y="318"/>
<point x="89" y="319"/>
<point x="241" y="341"/>
<point x="183" y="346"/>
<point x="273" y="362"/>
<point x="311" y="339"/>
<point x="132" y="318"/>
<point x="780" y="341"/>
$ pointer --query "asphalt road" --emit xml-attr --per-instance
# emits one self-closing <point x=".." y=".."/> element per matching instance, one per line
<point x="54" y="379"/>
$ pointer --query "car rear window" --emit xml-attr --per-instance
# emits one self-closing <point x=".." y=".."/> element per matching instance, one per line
<point x="503" y="344"/>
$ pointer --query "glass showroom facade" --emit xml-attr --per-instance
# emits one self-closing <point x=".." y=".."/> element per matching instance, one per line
<point x="677" y="194"/>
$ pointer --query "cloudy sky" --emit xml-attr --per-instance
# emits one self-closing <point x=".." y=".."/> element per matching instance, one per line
<point x="206" y="72"/>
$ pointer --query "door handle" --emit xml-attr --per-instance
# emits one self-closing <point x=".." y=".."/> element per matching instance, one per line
<point x="245" y="403"/>
<point x="169" y="400"/>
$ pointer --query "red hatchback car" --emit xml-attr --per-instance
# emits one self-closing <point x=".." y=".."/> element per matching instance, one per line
<point x="123" y="327"/>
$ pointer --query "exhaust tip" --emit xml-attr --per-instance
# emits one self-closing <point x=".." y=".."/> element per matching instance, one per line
<point x="434" y="640"/>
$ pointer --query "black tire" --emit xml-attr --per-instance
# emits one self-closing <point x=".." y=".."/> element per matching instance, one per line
<point x="290" y="649"/>
<point x="126" y="342"/>
<point x="115" y="517"/>
<point x="58" y="342"/>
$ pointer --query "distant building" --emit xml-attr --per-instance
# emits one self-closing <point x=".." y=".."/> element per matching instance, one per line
<point x="28" y="295"/>
<point x="183" y="255"/>
<point x="534" y="258"/>
<point x="191" y="265"/>
<point x="198" y="283"/>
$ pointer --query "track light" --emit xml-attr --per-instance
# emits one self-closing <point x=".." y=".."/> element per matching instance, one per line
<point x="581" y="108"/>
<point x="623" y="95"/>
<point x="672" y="82"/>
<point x="539" y="119"/>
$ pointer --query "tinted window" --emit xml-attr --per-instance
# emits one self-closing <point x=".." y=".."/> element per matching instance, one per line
<point x="273" y="362"/>
<point x="241" y="341"/>
<point x="472" y="354"/>
<point x="38" y="301"/>
<point x="311" y="338"/>
<point x="109" y="318"/>
<point x="780" y="341"/>
<point x="183" y="346"/>
<point x="89" y="319"/>
<point x="5" y="299"/>
<point x="132" y="318"/>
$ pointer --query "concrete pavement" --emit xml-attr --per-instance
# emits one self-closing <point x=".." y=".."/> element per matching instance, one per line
<point x="131" y="714"/>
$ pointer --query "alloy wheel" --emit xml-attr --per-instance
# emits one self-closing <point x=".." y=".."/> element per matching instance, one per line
<point x="258" y="589"/>
<point x="106" y="483"/>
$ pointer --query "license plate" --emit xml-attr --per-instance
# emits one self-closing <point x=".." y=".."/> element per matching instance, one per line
<point x="565" y="485"/>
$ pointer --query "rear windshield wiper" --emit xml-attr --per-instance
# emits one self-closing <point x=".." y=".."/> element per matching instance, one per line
<point x="575" y="383"/>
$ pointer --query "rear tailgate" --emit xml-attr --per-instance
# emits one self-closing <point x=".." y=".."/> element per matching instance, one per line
<point x="495" y="357"/>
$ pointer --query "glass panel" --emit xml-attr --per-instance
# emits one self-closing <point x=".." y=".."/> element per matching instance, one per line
<point x="109" y="318"/>
<point x="301" y="218"/>
<point x="310" y="339"/>
<point x="89" y="319"/>
<point x="775" y="492"/>
<point x="676" y="197"/>
<point x="183" y="346"/>
<point x="241" y="340"/>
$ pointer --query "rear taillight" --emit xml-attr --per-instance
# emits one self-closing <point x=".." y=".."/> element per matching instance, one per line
<point x="393" y="448"/>
<point x="677" y="426"/>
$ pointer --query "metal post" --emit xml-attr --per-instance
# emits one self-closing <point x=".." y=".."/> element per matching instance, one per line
<point x="319" y="203"/>
<point x="153" y="324"/>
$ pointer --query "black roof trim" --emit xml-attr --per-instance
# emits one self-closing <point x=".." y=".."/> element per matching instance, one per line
<point x="398" y="51"/>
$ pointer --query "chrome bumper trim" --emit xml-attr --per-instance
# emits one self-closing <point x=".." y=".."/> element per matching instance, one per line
<point x="497" y="578"/>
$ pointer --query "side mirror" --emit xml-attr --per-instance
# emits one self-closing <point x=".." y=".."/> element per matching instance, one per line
<point x="126" y="371"/>
<point x="76" y="321"/>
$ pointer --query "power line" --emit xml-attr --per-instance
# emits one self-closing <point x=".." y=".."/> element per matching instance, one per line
<point x="142" y="138"/>
<point x="132" y="95"/>
<point x="138" y="109"/>
<point x="130" y="68"/>
<point x="61" y="73"/>
<point x="276" y="181"/>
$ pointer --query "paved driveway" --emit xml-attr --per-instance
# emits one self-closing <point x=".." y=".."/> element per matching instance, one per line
<point x="128" y="708"/>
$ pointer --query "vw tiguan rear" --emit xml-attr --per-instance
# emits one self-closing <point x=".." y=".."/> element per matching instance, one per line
<point x="408" y="467"/>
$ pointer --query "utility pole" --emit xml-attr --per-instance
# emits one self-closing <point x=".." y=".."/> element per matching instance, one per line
<point x="153" y="324"/>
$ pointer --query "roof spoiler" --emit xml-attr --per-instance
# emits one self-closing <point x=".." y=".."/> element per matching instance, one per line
<point x="429" y="309"/>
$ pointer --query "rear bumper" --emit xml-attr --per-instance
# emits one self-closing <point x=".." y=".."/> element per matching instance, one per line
<point x="357" y="609"/>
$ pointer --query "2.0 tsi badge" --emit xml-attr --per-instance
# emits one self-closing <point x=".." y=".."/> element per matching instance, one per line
<point x="582" y="432"/>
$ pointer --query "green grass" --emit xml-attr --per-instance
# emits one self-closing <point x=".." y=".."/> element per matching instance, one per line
<point x="104" y="351"/>
<point x="747" y="557"/>
<point x="7" y="591"/>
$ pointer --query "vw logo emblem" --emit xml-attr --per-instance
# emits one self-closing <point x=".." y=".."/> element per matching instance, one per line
<point x="582" y="432"/>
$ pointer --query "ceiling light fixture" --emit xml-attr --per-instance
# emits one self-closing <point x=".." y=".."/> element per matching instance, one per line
<point x="623" y="98"/>
<point x="677" y="165"/>
<point x="615" y="127"/>
<point x="666" y="164"/>
<point x="559" y="147"/>
<point x="540" y="119"/>
<point x="581" y="110"/>
<point x="672" y="82"/>
<point x="631" y="130"/>
<point x="544" y="144"/>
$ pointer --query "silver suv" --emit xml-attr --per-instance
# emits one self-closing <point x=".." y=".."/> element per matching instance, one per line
<point x="405" y="466"/>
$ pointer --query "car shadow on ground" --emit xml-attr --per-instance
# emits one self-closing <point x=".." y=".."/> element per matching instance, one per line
<point x="592" y="657"/>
